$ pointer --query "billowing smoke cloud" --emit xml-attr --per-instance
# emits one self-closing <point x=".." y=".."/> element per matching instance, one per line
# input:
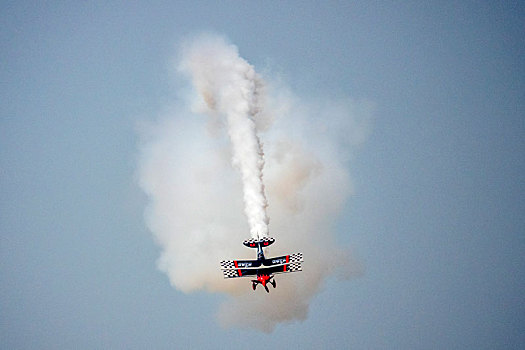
<point x="204" y="171"/>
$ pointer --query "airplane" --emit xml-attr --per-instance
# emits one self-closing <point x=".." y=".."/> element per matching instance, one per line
<point x="264" y="269"/>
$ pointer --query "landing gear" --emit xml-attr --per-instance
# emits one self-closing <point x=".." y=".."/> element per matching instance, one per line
<point x="264" y="280"/>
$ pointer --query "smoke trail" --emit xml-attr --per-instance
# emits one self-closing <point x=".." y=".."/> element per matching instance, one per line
<point x="230" y="87"/>
<point x="196" y="197"/>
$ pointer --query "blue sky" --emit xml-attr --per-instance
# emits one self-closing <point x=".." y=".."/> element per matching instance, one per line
<point x="437" y="214"/>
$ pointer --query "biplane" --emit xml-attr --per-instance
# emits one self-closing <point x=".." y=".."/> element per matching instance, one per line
<point x="262" y="269"/>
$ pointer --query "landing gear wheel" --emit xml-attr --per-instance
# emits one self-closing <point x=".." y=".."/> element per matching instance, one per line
<point x="274" y="284"/>
<point x="253" y="286"/>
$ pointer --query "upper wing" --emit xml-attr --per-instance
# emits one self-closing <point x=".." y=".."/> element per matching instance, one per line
<point x="236" y="264"/>
<point x="239" y="268"/>
<point x="284" y="260"/>
<point x="292" y="263"/>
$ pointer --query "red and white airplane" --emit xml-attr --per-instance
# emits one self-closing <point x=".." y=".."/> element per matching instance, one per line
<point x="264" y="269"/>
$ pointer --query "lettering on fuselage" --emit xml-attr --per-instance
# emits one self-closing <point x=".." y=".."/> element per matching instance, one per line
<point x="244" y="264"/>
<point x="278" y="261"/>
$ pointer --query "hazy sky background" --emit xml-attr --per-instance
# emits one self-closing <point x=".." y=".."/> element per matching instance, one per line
<point x="437" y="218"/>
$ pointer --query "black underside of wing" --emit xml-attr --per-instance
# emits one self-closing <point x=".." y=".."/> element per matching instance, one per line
<point x="247" y="263"/>
<point x="278" y="260"/>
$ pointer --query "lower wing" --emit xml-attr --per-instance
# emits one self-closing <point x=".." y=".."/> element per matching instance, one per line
<point x="285" y="268"/>
<point x="232" y="273"/>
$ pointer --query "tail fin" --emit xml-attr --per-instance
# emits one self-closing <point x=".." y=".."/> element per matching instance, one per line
<point x="254" y="243"/>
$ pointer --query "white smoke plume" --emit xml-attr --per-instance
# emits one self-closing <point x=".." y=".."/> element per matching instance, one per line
<point x="231" y="88"/>
<point x="202" y="167"/>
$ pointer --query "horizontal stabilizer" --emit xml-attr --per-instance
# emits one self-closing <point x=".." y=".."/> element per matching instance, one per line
<point x="254" y="243"/>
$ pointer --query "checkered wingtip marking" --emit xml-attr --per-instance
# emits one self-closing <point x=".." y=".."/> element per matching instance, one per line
<point x="227" y="264"/>
<point x="230" y="273"/>
<point x="295" y="266"/>
<point x="297" y="257"/>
